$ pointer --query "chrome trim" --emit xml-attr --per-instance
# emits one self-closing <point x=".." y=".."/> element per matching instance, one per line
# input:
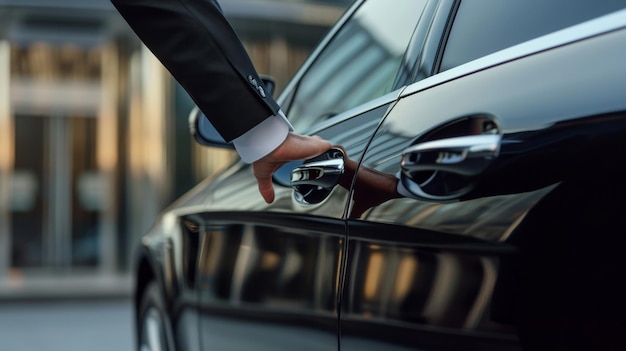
<point x="467" y="155"/>
<point x="597" y="26"/>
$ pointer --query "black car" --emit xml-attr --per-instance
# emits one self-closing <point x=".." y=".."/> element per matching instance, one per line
<point x="474" y="199"/>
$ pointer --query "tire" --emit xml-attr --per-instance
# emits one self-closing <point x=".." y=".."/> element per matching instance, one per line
<point x="152" y="335"/>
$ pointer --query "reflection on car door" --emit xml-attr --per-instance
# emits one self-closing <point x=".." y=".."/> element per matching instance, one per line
<point x="266" y="286"/>
<point x="420" y="273"/>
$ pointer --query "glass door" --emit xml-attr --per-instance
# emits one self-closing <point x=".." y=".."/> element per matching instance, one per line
<point x="61" y="209"/>
<point x="57" y="193"/>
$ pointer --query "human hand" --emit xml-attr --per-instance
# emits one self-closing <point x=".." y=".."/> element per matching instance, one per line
<point x="295" y="147"/>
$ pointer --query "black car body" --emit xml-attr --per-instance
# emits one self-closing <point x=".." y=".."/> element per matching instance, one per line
<point x="482" y="145"/>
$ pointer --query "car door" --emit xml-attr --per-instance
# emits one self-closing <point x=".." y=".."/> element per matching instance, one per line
<point x="485" y="151"/>
<point x="268" y="275"/>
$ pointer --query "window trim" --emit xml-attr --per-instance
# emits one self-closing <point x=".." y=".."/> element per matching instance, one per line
<point x="431" y="44"/>
<point x="444" y="37"/>
<point x="595" y="27"/>
<point x="286" y="97"/>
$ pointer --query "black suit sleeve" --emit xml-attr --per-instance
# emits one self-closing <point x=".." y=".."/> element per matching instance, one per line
<point x="195" y="42"/>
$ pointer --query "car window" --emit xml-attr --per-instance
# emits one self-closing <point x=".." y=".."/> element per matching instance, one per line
<point x="484" y="27"/>
<point x="359" y="64"/>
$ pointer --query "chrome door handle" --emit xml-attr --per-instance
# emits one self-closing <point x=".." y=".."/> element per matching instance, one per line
<point x="466" y="156"/>
<point x="316" y="177"/>
<point x="323" y="173"/>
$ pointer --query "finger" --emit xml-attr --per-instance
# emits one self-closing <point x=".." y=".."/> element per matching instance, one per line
<point x="266" y="189"/>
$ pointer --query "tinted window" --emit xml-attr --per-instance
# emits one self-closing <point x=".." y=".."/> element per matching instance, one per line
<point x="483" y="27"/>
<point x="359" y="64"/>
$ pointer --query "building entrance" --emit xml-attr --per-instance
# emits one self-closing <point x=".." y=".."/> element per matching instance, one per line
<point x="62" y="203"/>
<point x="57" y="193"/>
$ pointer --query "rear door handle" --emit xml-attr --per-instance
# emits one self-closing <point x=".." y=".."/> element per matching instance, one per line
<point x="466" y="156"/>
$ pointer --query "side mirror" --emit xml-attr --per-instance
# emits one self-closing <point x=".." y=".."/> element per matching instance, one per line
<point x="203" y="131"/>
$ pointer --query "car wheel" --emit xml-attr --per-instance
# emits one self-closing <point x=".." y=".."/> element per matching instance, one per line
<point x="152" y="335"/>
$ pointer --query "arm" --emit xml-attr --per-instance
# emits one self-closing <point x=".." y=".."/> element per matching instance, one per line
<point x="195" y="42"/>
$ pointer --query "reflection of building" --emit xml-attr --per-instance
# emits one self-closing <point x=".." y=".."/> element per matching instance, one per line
<point x="93" y="131"/>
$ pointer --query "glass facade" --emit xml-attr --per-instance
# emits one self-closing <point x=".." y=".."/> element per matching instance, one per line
<point x="94" y="138"/>
<point x="62" y="100"/>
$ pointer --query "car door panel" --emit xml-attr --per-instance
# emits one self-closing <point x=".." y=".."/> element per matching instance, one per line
<point x="424" y="275"/>
<point x="268" y="274"/>
<point x="266" y="285"/>
<point x="420" y="290"/>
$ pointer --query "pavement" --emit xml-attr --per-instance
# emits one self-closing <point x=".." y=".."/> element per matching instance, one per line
<point x="66" y="312"/>
<point x="17" y="286"/>
<point x="66" y="325"/>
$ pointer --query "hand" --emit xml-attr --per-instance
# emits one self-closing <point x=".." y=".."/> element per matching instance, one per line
<point x="295" y="147"/>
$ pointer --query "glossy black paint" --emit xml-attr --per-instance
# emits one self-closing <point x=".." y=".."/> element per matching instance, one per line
<point x="261" y="277"/>
<point x="555" y="130"/>
<point x="369" y="268"/>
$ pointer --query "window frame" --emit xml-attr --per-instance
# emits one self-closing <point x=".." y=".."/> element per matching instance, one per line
<point x="286" y="99"/>
<point x="569" y="22"/>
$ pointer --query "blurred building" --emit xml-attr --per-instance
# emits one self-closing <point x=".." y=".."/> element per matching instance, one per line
<point x="93" y="131"/>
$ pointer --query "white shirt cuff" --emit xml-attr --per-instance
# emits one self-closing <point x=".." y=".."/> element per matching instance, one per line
<point x="263" y="138"/>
